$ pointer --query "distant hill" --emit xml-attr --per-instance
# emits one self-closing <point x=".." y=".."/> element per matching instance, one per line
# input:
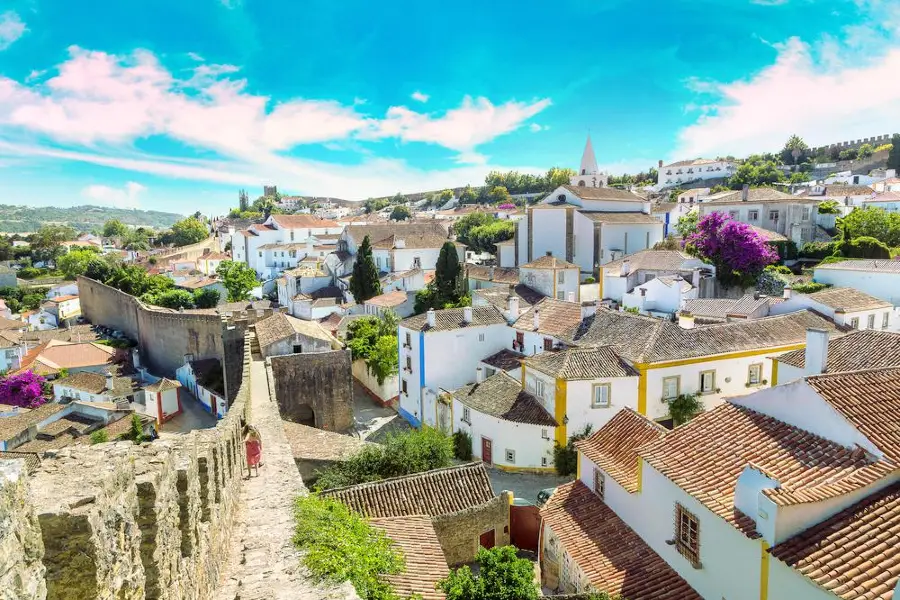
<point x="27" y="219"/>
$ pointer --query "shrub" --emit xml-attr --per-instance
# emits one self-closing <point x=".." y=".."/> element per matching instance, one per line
<point x="817" y="249"/>
<point x="684" y="408"/>
<point x="565" y="458"/>
<point x="25" y="389"/>
<point x="779" y="269"/>
<point x="100" y="436"/>
<point x="502" y="575"/>
<point x="339" y="545"/>
<point x="739" y="253"/>
<point x="462" y="445"/>
<point x="29" y="273"/>
<point x="862" y="247"/>
<point x="589" y="280"/>
<point x="808" y="288"/>
<point x="402" y="454"/>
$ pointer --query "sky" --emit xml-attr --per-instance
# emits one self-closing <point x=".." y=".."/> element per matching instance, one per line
<point x="176" y="105"/>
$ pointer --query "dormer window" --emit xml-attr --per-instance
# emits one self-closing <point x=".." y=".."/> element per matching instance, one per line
<point x="562" y="197"/>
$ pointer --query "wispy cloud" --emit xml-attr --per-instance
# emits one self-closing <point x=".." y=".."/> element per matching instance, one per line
<point x="11" y="28"/>
<point x="124" y="197"/>
<point x="769" y="2"/>
<point x="420" y="97"/>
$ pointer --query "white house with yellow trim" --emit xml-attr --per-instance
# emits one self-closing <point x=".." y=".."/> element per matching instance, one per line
<point x="552" y="277"/>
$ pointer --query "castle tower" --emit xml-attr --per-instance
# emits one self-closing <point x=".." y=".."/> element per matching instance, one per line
<point x="588" y="174"/>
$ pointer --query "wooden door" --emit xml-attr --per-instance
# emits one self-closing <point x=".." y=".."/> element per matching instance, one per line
<point x="486" y="539"/>
<point x="487" y="451"/>
<point x="524" y="526"/>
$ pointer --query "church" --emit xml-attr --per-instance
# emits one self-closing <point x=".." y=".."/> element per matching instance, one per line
<point x="585" y="223"/>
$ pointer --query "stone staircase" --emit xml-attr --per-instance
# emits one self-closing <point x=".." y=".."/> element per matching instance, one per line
<point x="254" y="342"/>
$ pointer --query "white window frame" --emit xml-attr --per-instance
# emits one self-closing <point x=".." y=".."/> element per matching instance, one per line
<point x="777" y="215"/>
<point x="561" y="277"/>
<point x="753" y="215"/>
<point x="599" y="483"/>
<point x="677" y="379"/>
<point x="758" y="367"/>
<point x="545" y="434"/>
<point x="854" y="322"/>
<point x="467" y="415"/>
<point x="885" y="320"/>
<point x="596" y="390"/>
<point x="510" y="456"/>
<point x="712" y="388"/>
<point x="535" y="386"/>
<point x="870" y="321"/>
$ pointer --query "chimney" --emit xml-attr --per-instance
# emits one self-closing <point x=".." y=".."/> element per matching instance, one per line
<point x="588" y="309"/>
<point x="660" y="164"/>
<point x="695" y="278"/>
<point x="429" y="317"/>
<point x="756" y="294"/>
<point x="467" y="314"/>
<point x="512" y="305"/>
<point x="685" y="320"/>
<point x="491" y="273"/>
<point x="549" y="252"/>
<point x="136" y="358"/>
<point x="109" y="380"/>
<point x="625" y="269"/>
<point x="537" y="319"/>
<point x="788" y="292"/>
<point x="479" y="375"/>
<point x="643" y="292"/>
<point x="745" y="192"/>
<point x="571" y="297"/>
<point x="816" y="351"/>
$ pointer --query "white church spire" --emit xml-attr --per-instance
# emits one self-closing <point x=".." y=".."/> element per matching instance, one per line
<point x="589" y="174"/>
<point x="588" y="160"/>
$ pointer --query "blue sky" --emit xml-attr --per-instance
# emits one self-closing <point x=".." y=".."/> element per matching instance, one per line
<point x="174" y="105"/>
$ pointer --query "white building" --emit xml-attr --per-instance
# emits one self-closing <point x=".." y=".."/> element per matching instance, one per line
<point x="589" y="175"/>
<point x="846" y="306"/>
<point x="690" y="171"/>
<point x="661" y="296"/>
<point x="400" y="247"/>
<point x="506" y="253"/>
<point x="888" y="184"/>
<point x="160" y="399"/>
<point x="856" y="351"/>
<point x="844" y="195"/>
<point x="620" y="277"/>
<point x="552" y="277"/>
<point x="280" y="243"/>
<point x="766" y="208"/>
<point x="301" y="282"/>
<point x="878" y="278"/>
<point x="889" y="201"/>
<point x="281" y="334"/>
<point x="442" y="349"/>
<point x="771" y="495"/>
<point x="205" y="380"/>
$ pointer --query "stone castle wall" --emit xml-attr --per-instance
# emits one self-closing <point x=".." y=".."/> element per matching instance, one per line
<point x="454" y="531"/>
<point x="124" y="521"/>
<point x="321" y="381"/>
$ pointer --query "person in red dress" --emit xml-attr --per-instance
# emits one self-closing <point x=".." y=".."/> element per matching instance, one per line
<point x="253" y="446"/>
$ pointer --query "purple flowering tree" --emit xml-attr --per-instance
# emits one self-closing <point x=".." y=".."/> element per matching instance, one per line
<point x="23" y="389"/>
<point x="506" y="206"/>
<point x="739" y="253"/>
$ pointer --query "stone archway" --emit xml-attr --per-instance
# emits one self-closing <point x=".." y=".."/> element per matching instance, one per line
<point x="305" y="415"/>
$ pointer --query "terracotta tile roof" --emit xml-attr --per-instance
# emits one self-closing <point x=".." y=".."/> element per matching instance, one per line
<point x="645" y="340"/>
<point x="768" y="235"/>
<point x="415" y="537"/>
<point x="215" y="256"/>
<point x="309" y="443"/>
<point x="302" y="222"/>
<point x="505" y="360"/>
<point x="502" y="396"/>
<point x="760" y="194"/>
<point x="388" y="300"/>
<point x="498" y="294"/>
<point x="10" y="427"/>
<point x="195" y="283"/>
<point x="614" y="446"/>
<point x="693" y="162"/>
<point x="162" y="385"/>
<point x="612" y="556"/>
<point x="433" y="493"/>
<point x="57" y="354"/>
<point x="867" y="349"/>
<point x="72" y="421"/>
<point x="58" y="299"/>
<point x="870" y="400"/>
<point x="651" y="260"/>
<point x="555" y="317"/>
<point x="705" y="457"/>
<point x="839" y="190"/>
<point x="549" y="262"/>
<point x="508" y="275"/>
<point x="846" y="299"/>
<point x="95" y="383"/>
<point x="603" y="193"/>
<point x="448" y="319"/>
<point x="280" y="326"/>
<point x="414" y="235"/>
<point x="581" y="363"/>
<point x="43" y="445"/>
<point x="621" y="218"/>
<point x="853" y="554"/>
<point x="11" y="324"/>
<point x="873" y="265"/>
<point x="721" y="308"/>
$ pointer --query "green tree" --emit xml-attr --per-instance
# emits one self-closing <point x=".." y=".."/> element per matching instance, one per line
<point x="829" y="207"/>
<point x="364" y="282"/>
<point x="32" y="301"/>
<point x="100" y="436"/>
<point x="188" y="231"/>
<point x="798" y="178"/>
<point x="872" y="222"/>
<point x="500" y="195"/>
<point x="794" y="151"/>
<point x="446" y="196"/>
<point x="375" y="341"/>
<point x="238" y="278"/>
<point x="46" y="242"/>
<point x="502" y="575"/>
<point x="865" y="151"/>
<point x="206" y="298"/>
<point x="684" y="408"/>
<point x="399" y="199"/>
<point x="893" y="161"/>
<point x="565" y="457"/>
<point x="463" y="227"/>
<point x="400" y="213"/>
<point x="448" y="277"/>
<point x="75" y="262"/>
<point x="136" y="431"/>
<point x="170" y="299"/>
<point x="467" y="196"/>
<point x="115" y="228"/>
<point x="337" y="544"/>
<point x="756" y="172"/>
<point x="484" y="238"/>
<point x="243" y="201"/>
<point x="687" y="224"/>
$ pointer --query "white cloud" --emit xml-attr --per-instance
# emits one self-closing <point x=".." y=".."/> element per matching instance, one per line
<point x="769" y="2"/>
<point x="819" y="100"/>
<point x="420" y="97"/>
<point x="534" y="127"/>
<point x="11" y="28"/>
<point x="125" y="197"/>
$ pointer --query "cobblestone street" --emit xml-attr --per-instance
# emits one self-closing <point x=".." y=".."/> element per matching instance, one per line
<point x="524" y="485"/>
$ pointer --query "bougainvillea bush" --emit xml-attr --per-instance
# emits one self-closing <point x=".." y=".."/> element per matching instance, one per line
<point x="737" y="251"/>
<point x="23" y="389"/>
<point x="507" y="206"/>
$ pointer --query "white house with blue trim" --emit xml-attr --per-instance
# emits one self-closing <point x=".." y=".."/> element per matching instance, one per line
<point x="442" y="349"/>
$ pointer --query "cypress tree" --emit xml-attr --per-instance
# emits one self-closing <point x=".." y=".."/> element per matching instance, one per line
<point x="364" y="283"/>
<point x="448" y="281"/>
<point x="893" y="161"/>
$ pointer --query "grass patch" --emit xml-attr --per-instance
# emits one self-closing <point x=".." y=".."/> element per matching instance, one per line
<point x="339" y="545"/>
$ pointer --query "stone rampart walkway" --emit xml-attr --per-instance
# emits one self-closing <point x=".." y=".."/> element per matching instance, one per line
<point x="263" y="564"/>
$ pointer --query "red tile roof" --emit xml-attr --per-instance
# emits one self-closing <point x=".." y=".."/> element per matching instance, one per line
<point x="415" y="537"/>
<point x="302" y="221"/>
<point x="612" y="556"/>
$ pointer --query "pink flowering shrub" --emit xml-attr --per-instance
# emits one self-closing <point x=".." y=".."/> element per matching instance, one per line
<point x="739" y="253"/>
<point x="507" y="206"/>
<point x="23" y="389"/>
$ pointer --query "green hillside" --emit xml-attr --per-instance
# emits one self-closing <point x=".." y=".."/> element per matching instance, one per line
<point x="26" y="219"/>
